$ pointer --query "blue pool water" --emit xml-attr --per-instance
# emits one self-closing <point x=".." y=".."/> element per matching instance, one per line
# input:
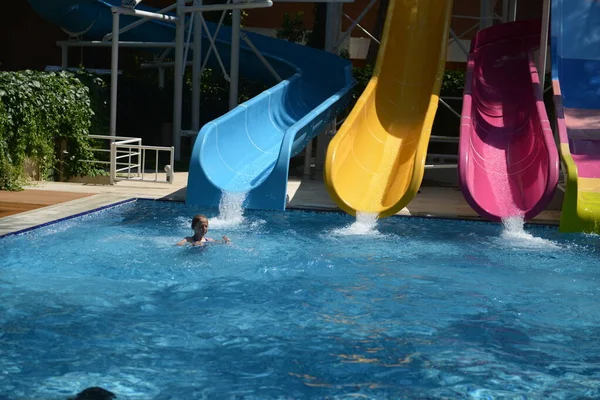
<point x="296" y="308"/>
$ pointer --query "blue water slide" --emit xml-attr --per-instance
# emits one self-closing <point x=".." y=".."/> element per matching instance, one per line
<point x="248" y="149"/>
<point x="575" y="44"/>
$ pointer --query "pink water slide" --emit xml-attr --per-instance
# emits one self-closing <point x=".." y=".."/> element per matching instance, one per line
<point x="508" y="161"/>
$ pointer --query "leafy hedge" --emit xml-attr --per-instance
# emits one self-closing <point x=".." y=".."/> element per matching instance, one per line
<point x="38" y="111"/>
<point x="453" y="83"/>
<point x="8" y="175"/>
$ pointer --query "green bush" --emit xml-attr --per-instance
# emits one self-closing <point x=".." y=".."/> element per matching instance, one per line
<point x="293" y="28"/>
<point x="453" y="84"/>
<point x="445" y="122"/>
<point x="99" y="93"/>
<point x="143" y="107"/>
<point x="40" y="110"/>
<point x="8" y="178"/>
<point x="363" y="76"/>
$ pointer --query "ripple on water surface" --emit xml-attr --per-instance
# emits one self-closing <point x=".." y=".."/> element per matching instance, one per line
<point x="300" y="305"/>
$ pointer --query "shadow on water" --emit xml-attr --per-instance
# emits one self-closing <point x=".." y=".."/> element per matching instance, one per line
<point x="499" y="337"/>
<point x="494" y="356"/>
<point x="265" y="340"/>
<point x="152" y="346"/>
<point x="237" y="348"/>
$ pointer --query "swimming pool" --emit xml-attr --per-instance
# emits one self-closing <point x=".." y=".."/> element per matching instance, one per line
<point x="297" y="308"/>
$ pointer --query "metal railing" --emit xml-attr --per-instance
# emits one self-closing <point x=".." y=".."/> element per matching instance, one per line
<point x="128" y="159"/>
<point x="442" y="161"/>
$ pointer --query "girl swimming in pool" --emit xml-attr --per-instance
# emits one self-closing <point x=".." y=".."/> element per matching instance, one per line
<point x="200" y="228"/>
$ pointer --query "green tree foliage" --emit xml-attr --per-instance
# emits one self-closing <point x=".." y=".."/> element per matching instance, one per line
<point x="99" y="93"/>
<point x="143" y="107"/>
<point x="363" y="76"/>
<point x="453" y="83"/>
<point x="8" y="175"/>
<point x="215" y="16"/>
<point x="37" y="112"/>
<point x="293" y="28"/>
<point x="316" y="38"/>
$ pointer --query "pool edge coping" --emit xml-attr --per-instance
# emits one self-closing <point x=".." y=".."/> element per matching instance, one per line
<point x="541" y="223"/>
<point x="68" y="217"/>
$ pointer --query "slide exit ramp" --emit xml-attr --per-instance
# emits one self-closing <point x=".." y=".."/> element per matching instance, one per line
<point x="508" y="162"/>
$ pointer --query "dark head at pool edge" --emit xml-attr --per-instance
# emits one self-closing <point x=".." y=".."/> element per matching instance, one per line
<point x="94" y="393"/>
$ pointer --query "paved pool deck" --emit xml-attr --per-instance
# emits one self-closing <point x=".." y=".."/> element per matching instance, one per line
<point x="433" y="201"/>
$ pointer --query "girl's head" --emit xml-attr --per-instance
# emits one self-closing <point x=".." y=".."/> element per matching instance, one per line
<point x="200" y="224"/>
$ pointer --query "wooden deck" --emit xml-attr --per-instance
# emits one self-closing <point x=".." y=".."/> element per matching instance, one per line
<point x="17" y="202"/>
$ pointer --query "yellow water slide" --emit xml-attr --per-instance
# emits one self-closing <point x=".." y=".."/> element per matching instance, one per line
<point x="376" y="160"/>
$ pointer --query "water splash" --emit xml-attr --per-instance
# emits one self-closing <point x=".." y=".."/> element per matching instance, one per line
<point x="365" y="224"/>
<point x="514" y="226"/>
<point x="514" y="232"/>
<point x="231" y="210"/>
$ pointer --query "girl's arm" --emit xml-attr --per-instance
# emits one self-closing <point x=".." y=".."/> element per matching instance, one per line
<point x="183" y="241"/>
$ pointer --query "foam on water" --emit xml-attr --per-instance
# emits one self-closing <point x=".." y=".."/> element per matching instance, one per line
<point x="231" y="210"/>
<point x="365" y="224"/>
<point x="514" y="232"/>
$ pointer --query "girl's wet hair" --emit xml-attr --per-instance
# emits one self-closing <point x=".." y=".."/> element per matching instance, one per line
<point x="199" y="219"/>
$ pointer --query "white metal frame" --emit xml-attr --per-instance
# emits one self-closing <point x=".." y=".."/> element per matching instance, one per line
<point x="441" y="161"/>
<point x="227" y="7"/>
<point x="133" y="152"/>
<point x="355" y="24"/>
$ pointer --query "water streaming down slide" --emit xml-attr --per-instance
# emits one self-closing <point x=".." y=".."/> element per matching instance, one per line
<point x="576" y="82"/>
<point x="375" y="163"/>
<point x="508" y="161"/>
<point x="248" y="149"/>
<point x="231" y="210"/>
